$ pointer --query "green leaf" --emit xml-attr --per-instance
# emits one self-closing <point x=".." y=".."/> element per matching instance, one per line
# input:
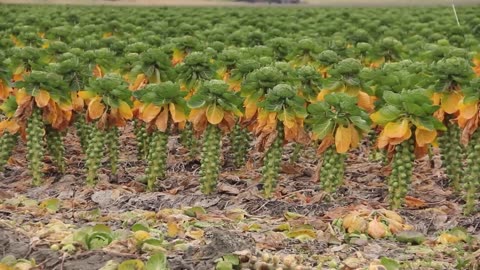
<point x="387" y="114"/>
<point x="360" y="122"/>
<point x="194" y="211"/>
<point x="393" y="98"/>
<point x="98" y="240"/>
<point x="231" y="258"/>
<point x="390" y="264"/>
<point x="323" y="129"/>
<point x="51" y="205"/>
<point x="197" y="101"/>
<point x="131" y="265"/>
<point x="140" y="227"/>
<point x="223" y="265"/>
<point x="157" y="261"/>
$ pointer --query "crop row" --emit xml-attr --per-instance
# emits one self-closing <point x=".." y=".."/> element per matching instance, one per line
<point x="276" y="90"/>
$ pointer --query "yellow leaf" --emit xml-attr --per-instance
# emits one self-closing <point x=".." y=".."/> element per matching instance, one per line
<point x="42" y="98"/>
<point x="376" y="229"/>
<point x="86" y="95"/>
<point x="4" y="90"/>
<point x="343" y="138"/>
<point x="468" y="111"/>
<point x="9" y="125"/>
<point x="196" y="234"/>
<point x="162" y="120"/>
<point x="287" y="120"/>
<point x="397" y="129"/>
<point x="141" y="235"/>
<point x="214" y="114"/>
<point x="322" y="94"/>
<point x="355" y="137"/>
<point x="138" y="82"/>
<point x="178" y="56"/>
<point x="125" y="110"/>
<point x="382" y="140"/>
<point x="395" y="141"/>
<point x="365" y="101"/>
<point x="172" y="229"/>
<point x="21" y="97"/>
<point x="353" y="222"/>
<point x="450" y="102"/>
<point x="424" y="136"/>
<point x="436" y="97"/>
<point x="149" y="112"/>
<point x="5" y="267"/>
<point x="250" y="108"/>
<point x="178" y="115"/>
<point x="446" y="238"/>
<point x="95" y="108"/>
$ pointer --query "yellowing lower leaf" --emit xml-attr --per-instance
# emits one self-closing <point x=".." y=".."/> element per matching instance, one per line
<point x="42" y="98"/>
<point x="21" y="97"/>
<point x="288" y="120"/>
<point x="178" y="115"/>
<point x="125" y="110"/>
<point x="139" y="80"/>
<point x="322" y="94"/>
<point x="395" y="141"/>
<point x="86" y="95"/>
<point x="4" y="90"/>
<point x="343" y="138"/>
<point x="365" y="101"/>
<point x="95" y="108"/>
<point x="149" y="112"/>
<point x="250" y="108"/>
<point x="424" y="137"/>
<point x="450" y="102"/>
<point x="468" y="111"/>
<point x="214" y="114"/>
<point x="397" y="129"/>
<point x="9" y="125"/>
<point x="355" y="137"/>
<point x="162" y="120"/>
<point x="382" y="140"/>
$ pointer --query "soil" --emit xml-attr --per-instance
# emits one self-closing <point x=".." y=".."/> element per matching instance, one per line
<point x="237" y="216"/>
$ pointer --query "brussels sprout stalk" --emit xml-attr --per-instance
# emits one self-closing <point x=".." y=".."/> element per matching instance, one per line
<point x="35" y="146"/>
<point x="56" y="148"/>
<point x="402" y="168"/>
<point x="7" y="143"/>
<point x="472" y="179"/>
<point x="271" y="163"/>
<point x="157" y="158"/>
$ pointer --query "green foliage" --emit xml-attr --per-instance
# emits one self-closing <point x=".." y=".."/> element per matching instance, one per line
<point x="215" y="93"/>
<point x="163" y="94"/>
<point x="337" y="109"/>
<point x="195" y="69"/>
<point x="155" y="64"/>
<point x="112" y="88"/>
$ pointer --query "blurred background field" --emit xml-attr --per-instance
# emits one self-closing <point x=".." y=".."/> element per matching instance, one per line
<point x="235" y="3"/>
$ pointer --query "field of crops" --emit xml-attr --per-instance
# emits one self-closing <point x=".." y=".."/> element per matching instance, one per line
<point x="220" y="138"/>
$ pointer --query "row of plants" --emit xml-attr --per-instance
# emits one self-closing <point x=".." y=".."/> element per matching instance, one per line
<point x="277" y="93"/>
